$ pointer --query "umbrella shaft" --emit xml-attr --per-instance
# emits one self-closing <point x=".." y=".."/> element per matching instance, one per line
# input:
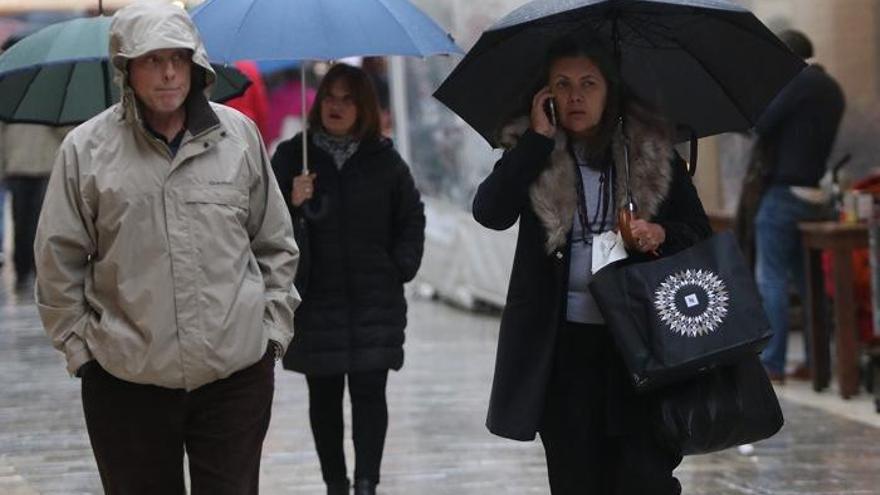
<point x="630" y="204"/>
<point x="304" y="116"/>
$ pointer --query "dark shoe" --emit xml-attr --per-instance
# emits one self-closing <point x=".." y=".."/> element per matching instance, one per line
<point x="364" y="487"/>
<point x="338" y="488"/>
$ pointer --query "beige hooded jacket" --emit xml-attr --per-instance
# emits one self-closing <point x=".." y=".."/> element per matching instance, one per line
<point x="169" y="270"/>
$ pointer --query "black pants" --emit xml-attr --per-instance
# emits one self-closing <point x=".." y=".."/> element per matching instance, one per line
<point x="27" y="199"/>
<point x="369" y="412"/>
<point x="596" y="430"/>
<point x="139" y="432"/>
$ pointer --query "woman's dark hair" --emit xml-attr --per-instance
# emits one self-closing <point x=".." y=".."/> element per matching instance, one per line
<point x="367" y="103"/>
<point x="603" y="56"/>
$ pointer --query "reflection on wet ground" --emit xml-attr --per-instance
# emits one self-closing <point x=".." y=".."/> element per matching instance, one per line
<point x="437" y="443"/>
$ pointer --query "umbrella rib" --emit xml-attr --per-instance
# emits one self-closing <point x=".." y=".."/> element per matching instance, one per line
<point x="723" y="88"/>
<point x="27" y="88"/>
<point x="640" y="27"/>
<point x="66" y="92"/>
<point x="402" y="26"/>
<point x="241" y="25"/>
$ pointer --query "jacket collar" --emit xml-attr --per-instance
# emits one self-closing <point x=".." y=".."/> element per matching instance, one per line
<point x="553" y="195"/>
<point x="200" y="117"/>
<point x="366" y="148"/>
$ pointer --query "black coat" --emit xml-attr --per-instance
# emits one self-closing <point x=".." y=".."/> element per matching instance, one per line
<point x="536" y="296"/>
<point x="365" y="242"/>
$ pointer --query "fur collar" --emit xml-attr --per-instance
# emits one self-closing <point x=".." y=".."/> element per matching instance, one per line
<point x="554" y="195"/>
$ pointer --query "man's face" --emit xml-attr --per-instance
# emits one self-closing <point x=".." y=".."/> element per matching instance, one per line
<point x="161" y="79"/>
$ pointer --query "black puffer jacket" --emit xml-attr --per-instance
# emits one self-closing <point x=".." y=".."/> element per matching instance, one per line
<point x="364" y="243"/>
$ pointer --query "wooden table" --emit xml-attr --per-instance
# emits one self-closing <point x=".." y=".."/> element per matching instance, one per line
<point x="840" y="239"/>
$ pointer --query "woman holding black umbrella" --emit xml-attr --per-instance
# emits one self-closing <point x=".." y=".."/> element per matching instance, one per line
<point x="365" y="225"/>
<point x="563" y="177"/>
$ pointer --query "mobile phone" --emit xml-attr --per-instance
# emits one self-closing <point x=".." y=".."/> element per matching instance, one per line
<point x="550" y="110"/>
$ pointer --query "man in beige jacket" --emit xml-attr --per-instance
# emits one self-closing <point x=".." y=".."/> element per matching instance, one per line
<point x="165" y="264"/>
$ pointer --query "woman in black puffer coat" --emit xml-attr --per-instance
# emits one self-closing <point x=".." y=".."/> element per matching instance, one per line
<point x="360" y="222"/>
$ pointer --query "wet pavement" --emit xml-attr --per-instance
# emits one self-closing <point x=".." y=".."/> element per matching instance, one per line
<point x="437" y="443"/>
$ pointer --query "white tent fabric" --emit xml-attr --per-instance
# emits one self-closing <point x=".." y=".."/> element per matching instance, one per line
<point x="464" y="262"/>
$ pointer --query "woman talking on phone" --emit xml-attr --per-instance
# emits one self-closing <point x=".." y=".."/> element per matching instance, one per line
<point x="366" y="229"/>
<point x="557" y="371"/>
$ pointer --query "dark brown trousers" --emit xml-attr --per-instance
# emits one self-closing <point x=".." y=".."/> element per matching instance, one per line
<point x="139" y="432"/>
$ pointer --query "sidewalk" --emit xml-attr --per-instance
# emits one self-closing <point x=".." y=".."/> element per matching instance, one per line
<point x="437" y="443"/>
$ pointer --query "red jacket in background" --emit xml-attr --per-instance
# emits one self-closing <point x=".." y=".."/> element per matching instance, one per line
<point x="255" y="101"/>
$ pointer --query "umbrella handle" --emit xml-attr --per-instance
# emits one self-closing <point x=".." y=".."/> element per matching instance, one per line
<point x="624" y="217"/>
<point x="628" y="213"/>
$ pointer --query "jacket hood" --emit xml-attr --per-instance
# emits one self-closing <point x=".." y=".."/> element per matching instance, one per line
<point x="149" y="25"/>
<point x="554" y="195"/>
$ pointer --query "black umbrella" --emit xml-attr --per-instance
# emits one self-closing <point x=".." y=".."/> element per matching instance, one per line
<point x="708" y="65"/>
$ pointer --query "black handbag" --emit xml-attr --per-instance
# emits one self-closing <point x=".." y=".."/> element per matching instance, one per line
<point x="682" y="315"/>
<point x="728" y="406"/>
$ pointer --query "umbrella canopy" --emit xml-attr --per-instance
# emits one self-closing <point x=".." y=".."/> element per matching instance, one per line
<point x="709" y="66"/>
<point x="61" y="75"/>
<point x="273" y="66"/>
<point x="265" y="30"/>
<point x="317" y="29"/>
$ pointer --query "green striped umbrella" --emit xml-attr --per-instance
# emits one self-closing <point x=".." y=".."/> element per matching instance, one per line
<point x="61" y="75"/>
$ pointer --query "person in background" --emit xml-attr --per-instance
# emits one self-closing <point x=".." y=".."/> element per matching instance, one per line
<point x="166" y="261"/>
<point x="796" y="132"/>
<point x="27" y="152"/>
<point x="364" y="230"/>
<point x="255" y="101"/>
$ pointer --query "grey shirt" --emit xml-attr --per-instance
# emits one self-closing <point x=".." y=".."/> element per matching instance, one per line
<point x="581" y="306"/>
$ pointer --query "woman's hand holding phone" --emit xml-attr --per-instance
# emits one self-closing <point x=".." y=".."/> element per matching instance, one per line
<point x="543" y="116"/>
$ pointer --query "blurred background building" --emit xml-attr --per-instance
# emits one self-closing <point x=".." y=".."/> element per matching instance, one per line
<point x="449" y="159"/>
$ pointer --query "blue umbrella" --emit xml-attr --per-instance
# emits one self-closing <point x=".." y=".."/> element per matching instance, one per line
<point x="317" y="29"/>
<point x="264" y="30"/>
<point x="272" y="66"/>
